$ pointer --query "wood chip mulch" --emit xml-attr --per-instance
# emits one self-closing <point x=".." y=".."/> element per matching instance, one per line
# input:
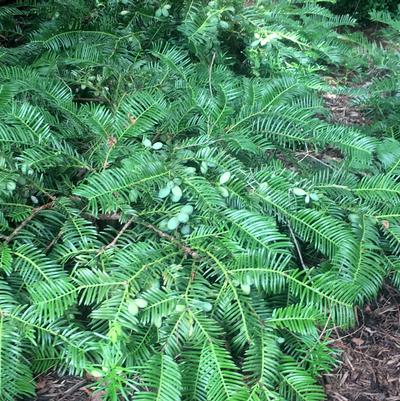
<point x="343" y="111"/>
<point x="67" y="388"/>
<point x="370" y="367"/>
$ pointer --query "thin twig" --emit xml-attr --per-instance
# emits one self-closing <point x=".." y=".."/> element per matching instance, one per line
<point x="118" y="236"/>
<point x="35" y="211"/>
<point x="53" y="241"/>
<point x="326" y="325"/>
<point x="92" y="99"/>
<point x="186" y="249"/>
<point x="72" y="390"/>
<point x="210" y="74"/>
<point x="115" y="216"/>
<point x="308" y="154"/>
<point x="297" y="247"/>
<point x="340" y="338"/>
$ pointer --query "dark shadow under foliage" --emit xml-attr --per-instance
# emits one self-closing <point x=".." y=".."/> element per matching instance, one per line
<point x="369" y="354"/>
<point x="361" y="9"/>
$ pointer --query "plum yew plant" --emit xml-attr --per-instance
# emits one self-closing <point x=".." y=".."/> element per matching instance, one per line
<point x="382" y="97"/>
<point x="361" y="9"/>
<point x="176" y="228"/>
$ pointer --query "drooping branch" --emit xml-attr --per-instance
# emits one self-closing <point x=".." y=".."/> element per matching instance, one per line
<point x="118" y="236"/>
<point x="35" y="211"/>
<point x="186" y="249"/>
<point x="115" y="216"/>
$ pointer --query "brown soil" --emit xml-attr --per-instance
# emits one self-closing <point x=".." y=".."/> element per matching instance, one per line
<point x="342" y="111"/>
<point x="370" y="360"/>
<point x="66" y="388"/>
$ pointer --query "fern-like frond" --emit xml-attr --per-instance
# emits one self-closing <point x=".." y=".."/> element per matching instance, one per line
<point x="163" y="379"/>
<point x="296" y="318"/>
<point x="110" y="190"/>
<point x="262" y="360"/>
<point x="297" y="384"/>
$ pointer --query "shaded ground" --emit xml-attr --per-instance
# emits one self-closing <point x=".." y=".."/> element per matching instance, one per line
<point x="66" y="388"/>
<point x="370" y="369"/>
<point x="343" y="112"/>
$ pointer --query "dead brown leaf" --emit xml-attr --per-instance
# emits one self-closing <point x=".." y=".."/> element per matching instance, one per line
<point x="357" y="341"/>
<point x="97" y="396"/>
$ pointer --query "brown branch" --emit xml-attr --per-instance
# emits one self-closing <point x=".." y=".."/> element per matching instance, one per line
<point x="210" y="74"/>
<point x="92" y="99"/>
<point x="53" y="241"/>
<point x="27" y="220"/>
<point x="186" y="249"/>
<point x="72" y="390"/>
<point x="115" y="216"/>
<point x="118" y="236"/>
<point x="103" y="217"/>
<point x="326" y="324"/>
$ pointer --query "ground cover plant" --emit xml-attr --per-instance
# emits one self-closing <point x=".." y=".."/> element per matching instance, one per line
<point x="178" y="217"/>
<point x="362" y="9"/>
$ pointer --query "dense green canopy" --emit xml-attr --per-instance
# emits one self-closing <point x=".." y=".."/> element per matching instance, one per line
<point x="179" y="216"/>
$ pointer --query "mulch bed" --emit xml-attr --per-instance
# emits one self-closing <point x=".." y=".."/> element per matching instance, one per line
<point x="370" y="360"/>
<point x="343" y="111"/>
<point x="66" y="388"/>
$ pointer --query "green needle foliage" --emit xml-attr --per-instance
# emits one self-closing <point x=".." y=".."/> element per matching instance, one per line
<point x="361" y="9"/>
<point x="172" y="225"/>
